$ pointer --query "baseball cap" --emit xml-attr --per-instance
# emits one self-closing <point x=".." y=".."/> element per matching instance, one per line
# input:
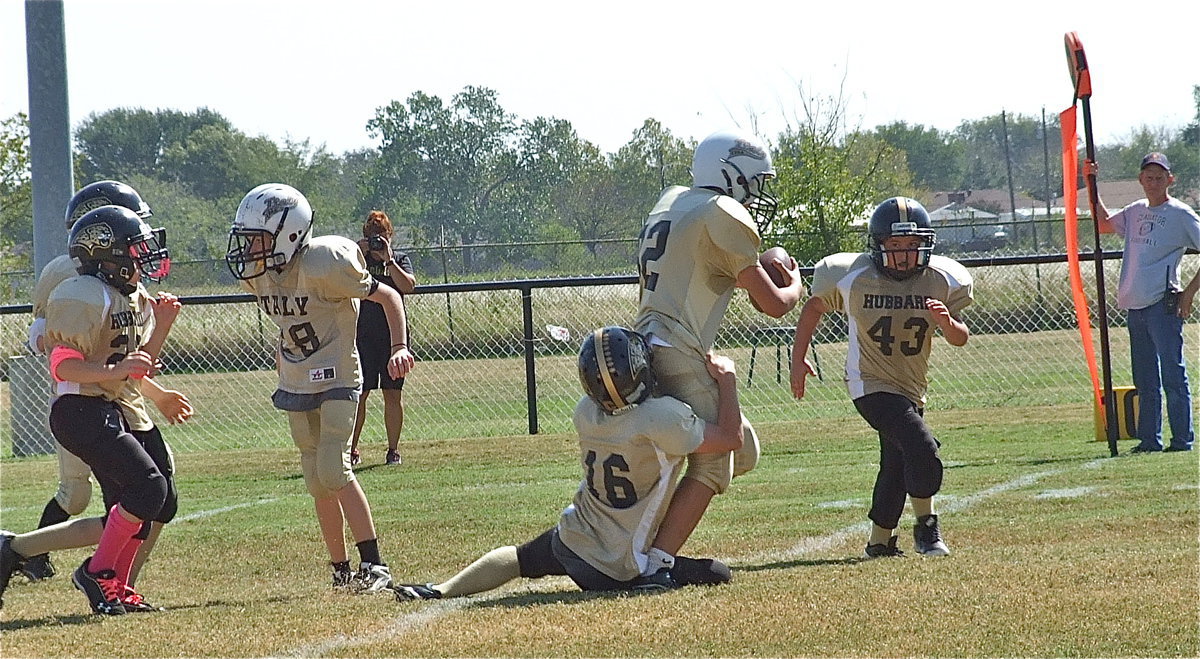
<point x="1156" y="158"/>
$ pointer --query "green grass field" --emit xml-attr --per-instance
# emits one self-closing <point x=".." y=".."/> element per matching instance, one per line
<point x="1058" y="551"/>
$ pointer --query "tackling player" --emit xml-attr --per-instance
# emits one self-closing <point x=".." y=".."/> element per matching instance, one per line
<point x="895" y="295"/>
<point x="631" y="448"/>
<point x="74" y="477"/>
<point x="104" y="334"/>
<point x="697" y="245"/>
<point x="311" y="287"/>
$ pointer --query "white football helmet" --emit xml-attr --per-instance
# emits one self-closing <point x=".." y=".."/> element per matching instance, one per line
<point x="738" y="165"/>
<point x="273" y="222"/>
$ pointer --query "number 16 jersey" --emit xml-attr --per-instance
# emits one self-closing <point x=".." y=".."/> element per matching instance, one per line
<point x="890" y="330"/>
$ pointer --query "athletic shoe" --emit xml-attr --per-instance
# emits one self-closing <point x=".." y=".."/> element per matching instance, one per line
<point x="133" y="602"/>
<point x="372" y="578"/>
<point x="393" y="457"/>
<point x="355" y="458"/>
<point x="927" y="537"/>
<point x="883" y="551"/>
<point x="700" y="572"/>
<point x="415" y="591"/>
<point x="10" y="561"/>
<point x="103" y="589"/>
<point x="660" y="580"/>
<point x="38" y="567"/>
<point x="1142" y="449"/>
<point x="1173" y="449"/>
<point x="342" y="576"/>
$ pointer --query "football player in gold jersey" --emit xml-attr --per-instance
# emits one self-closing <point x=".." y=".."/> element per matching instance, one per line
<point x="311" y="287"/>
<point x="895" y="296"/>
<point x="697" y="245"/>
<point x="74" y="476"/>
<point x="104" y="333"/>
<point x="631" y="448"/>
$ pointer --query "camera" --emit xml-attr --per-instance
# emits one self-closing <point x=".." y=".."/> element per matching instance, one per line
<point x="376" y="243"/>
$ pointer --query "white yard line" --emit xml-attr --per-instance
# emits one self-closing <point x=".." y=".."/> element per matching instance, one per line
<point x="201" y="514"/>
<point x="436" y="610"/>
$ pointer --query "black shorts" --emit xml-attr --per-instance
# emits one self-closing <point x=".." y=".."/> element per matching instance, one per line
<point x="374" y="353"/>
<point x="546" y="555"/>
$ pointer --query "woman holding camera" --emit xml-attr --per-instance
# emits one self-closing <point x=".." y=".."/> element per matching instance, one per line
<point x="392" y="268"/>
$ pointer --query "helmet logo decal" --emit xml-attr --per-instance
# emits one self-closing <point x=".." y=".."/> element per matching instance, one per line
<point x="277" y="205"/>
<point x="95" y="237"/>
<point x="747" y="149"/>
<point x="90" y="205"/>
<point x="902" y="207"/>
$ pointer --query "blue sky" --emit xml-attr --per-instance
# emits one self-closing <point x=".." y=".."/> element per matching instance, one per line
<point x="307" y="70"/>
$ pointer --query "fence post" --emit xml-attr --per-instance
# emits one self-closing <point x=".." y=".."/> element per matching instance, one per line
<point x="530" y="369"/>
<point x="30" y="404"/>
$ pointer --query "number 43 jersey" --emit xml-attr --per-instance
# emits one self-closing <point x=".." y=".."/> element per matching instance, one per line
<point x="890" y="330"/>
<point x="314" y="301"/>
<point x="630" y="462"/>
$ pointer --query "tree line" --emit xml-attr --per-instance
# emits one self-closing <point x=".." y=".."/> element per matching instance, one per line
<point x="468" y="172"/>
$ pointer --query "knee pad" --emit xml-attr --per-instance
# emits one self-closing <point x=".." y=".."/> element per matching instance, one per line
<point x="73" y="496"/>
<point x="746" y="458"/>
<point x="74" y="483"/>
<point x="145" y="497"/>
<point x="170" y="507"/>
<point x="713" y="470"/>
<point x="535" y="558"/>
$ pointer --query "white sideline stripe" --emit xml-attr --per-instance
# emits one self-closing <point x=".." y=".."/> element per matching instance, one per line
<point x="201" y="514"/>
<point x="429" y="614"/>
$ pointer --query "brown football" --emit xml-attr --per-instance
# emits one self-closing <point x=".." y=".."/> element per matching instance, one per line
<point x="767" y="260"/>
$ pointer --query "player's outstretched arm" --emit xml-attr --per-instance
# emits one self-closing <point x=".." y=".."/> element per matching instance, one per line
<point x="806" y="325"/>
<point x="174" y="406"/>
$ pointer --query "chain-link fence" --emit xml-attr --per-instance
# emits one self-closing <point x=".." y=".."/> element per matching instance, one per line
<point x="498" y="358"/>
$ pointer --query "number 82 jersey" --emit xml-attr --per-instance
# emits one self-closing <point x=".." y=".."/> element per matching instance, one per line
<point x="890" y="330"/>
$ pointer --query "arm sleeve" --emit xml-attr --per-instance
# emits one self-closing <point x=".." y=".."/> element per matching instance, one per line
<point x="733" y="236"/>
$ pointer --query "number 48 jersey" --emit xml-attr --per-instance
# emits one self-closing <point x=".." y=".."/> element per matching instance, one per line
<point x="890" y="330"/>
<point x="314" y="301"/>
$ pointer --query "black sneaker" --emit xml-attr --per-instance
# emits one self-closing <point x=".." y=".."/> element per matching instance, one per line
<point x="882" y="550"/>
<point x="414" y="591"/>
<point x="660" y="580"/>
<point x="927" y="537"/>
<point x="10" y="562"/>
<point x="343" y="576"/>
<point x="1175" y="449"/>
<point x="700" y="572"/>
<point x="392" y="458"/>
<point x="38" y="567"/>
<point x="1142" y="449"/>
<point x="103" y="590"/>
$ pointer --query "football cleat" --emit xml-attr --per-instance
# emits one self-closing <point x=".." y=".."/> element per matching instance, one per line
<point x="882" y="550"/>
<point x="38" y="567"/>
<point x="927" y="537"/>
<point x="135" y="603"/>
<point x="355" y="458"/>
<point x="103" y="589"/>
<point x="392" y="457"/>
<point x="413" y="591"/>
<point x="700" y="572"/>
<point x="372" y="577"/>
<point x="343" y="577"/>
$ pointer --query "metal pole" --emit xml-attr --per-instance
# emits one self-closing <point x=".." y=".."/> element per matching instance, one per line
<point x="49" y="127"/>
<point x="530" y="368"/>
